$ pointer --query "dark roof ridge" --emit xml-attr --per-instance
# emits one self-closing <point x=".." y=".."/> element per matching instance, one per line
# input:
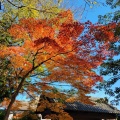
<point x="98" y="107"/>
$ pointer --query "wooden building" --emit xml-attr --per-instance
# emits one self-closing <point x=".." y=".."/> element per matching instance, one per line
<point x="101" y="111"/>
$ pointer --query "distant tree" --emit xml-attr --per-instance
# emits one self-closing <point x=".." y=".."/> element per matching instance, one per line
<point x="113" y="3"/>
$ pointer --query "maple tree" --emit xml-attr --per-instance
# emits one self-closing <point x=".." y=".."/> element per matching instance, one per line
<point x="11" y="12"/>
<point x="55" y="50"/>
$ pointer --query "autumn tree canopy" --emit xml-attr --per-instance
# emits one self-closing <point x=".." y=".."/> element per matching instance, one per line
<point x="59" y="49"/>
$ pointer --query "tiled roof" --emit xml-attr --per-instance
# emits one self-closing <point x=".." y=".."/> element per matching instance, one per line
<point x="76" y="106"/>
<point x="98" y="107"/>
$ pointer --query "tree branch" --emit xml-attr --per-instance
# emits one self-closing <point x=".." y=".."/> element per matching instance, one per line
<point x="14" y="4"/>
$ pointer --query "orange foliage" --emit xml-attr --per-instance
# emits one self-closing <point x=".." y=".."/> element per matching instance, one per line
<point x="58" y="47"/>
<point x="105" y="33"/>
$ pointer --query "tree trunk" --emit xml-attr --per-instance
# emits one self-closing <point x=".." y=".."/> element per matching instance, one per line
<point x="13" y="99"/>
<point x="18" y="89"/>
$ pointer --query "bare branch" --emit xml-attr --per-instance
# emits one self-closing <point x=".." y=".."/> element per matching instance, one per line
<point x="29" y="94"/>
<point x="14" y="4"/>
